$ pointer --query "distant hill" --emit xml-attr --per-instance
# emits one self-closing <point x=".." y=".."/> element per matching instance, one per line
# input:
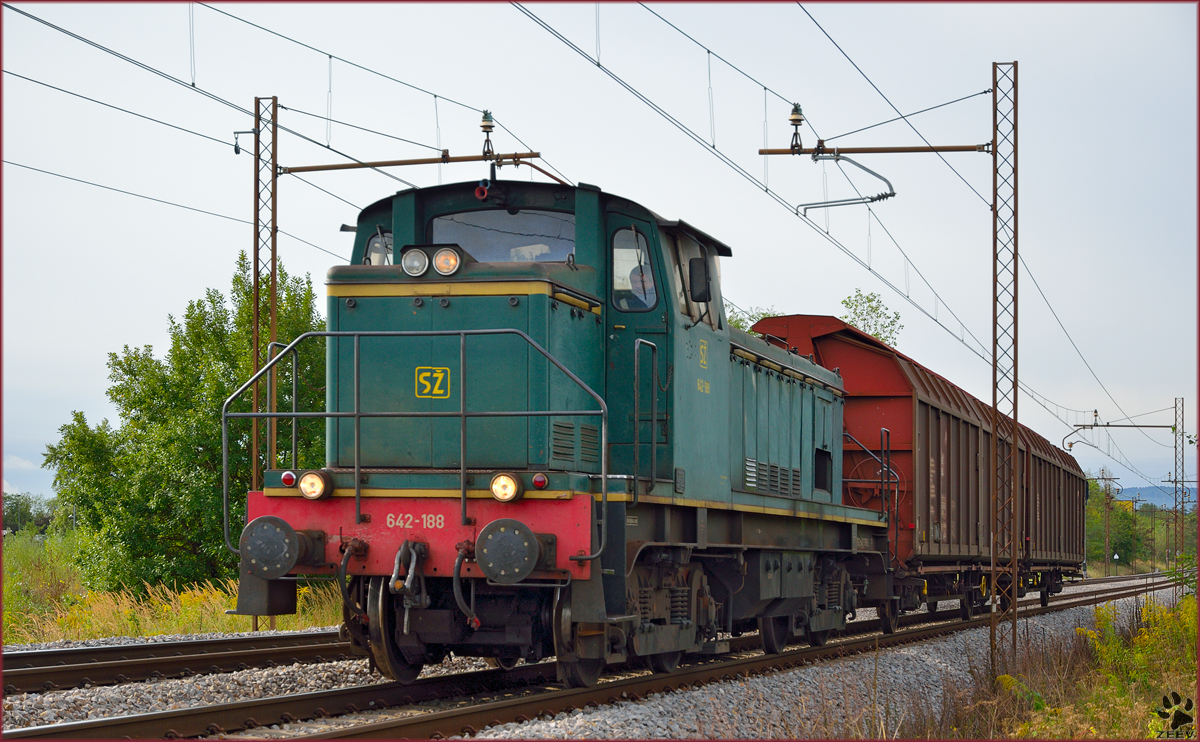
<point x="1163" y="498"/>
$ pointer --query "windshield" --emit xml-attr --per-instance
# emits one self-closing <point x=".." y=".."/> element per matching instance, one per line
<point x="497" y="236"/>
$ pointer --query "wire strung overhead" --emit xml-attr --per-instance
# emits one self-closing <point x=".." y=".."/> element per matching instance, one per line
<point x="168" y="203"/>
<point x="398" y="81"/>
<point x="1028" y="272"/>
<point x="979" y="352"/>
<point x="201" y="91"/>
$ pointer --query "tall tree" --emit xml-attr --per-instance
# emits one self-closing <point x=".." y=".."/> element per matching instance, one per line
<point x="868" y="313"/>
<point x="148" y="492"/>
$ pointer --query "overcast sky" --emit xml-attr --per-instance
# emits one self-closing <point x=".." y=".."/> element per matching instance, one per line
<point x="1107" y="136"/>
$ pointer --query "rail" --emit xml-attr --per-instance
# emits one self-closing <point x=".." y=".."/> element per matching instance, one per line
<point x="357" y="415"/>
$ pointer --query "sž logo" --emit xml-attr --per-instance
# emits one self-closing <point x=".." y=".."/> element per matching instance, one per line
<point x="432" y="382"/>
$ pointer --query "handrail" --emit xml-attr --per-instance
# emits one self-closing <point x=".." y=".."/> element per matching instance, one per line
<point x="271" y="391"/>
<point x="885" y="486"/>
<point x="637" y="416"/>
<point x="357" y="414"/>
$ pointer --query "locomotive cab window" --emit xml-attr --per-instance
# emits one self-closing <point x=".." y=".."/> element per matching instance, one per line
<point x="683" y="249"/>
<point x="508" y="235"/>
<point x="633" y="288"/>
<point x="379" y="249"/>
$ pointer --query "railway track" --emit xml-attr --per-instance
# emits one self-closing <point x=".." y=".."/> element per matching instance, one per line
<point x="485" y="698"/>
<point x="53" y="669"/>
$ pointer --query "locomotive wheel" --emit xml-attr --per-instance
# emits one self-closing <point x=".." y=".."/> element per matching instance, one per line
<point x="967" y="607"/>
<point x="932" y="606"/>
<point x="1044" y="598"/>
<point x="580" y="673"/>
<point x="818" y="638"/>
<point x="774" y="633"/>
<point x="888" y="619"/>
<point x="504" y="663"/>
<point x="381" y="630"/>
<point x="665" y="662"/>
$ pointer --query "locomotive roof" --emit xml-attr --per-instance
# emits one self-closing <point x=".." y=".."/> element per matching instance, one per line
<point x="678" y="224"/>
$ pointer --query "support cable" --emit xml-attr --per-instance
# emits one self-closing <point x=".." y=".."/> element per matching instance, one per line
<point x="984" y="356"/>
<point x="1028" y="272"/>
<point x="168" y="203"/>
<point x="202" y="91"/>
<point x="398" y="81"/>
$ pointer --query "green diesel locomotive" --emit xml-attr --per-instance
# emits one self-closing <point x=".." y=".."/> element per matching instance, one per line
<point x="544" y="439"/>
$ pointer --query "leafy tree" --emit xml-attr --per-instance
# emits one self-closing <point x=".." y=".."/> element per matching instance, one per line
<point x="147" y="493"/>
<point x="744" y="320"/>
<point x="868" y="313"/>
<point x="24" y="510"/>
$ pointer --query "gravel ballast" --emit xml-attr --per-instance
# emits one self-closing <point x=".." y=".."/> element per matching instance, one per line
<point x="780" y="704"/>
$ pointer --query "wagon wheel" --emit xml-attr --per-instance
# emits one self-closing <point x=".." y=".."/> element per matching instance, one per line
<point x="664" y="663"/>
<point x="774" y="632"/>
<point x="932" y="606"/>
<point x="967" y="608"/>
<point x="1044" y="598"/>
<point x="888" y="620"/>
<point x="381" y="631"/>
<point x="818" y="638"/>
<point x="504" y="663"/>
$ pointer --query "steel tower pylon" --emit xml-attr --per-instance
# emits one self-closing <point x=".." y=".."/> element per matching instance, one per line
<point x="1005" y="461"/>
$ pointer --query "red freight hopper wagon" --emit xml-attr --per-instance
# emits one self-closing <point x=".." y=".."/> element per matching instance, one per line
<point x="940" y="447"/>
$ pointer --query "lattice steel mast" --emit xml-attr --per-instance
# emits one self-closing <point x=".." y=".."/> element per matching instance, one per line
<point x="266" y="230"/>
<point x="1005" y="462"/>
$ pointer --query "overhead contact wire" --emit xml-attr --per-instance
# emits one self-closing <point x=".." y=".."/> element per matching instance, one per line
<point x="398" y="81"/>
<point x="168" y="203"/>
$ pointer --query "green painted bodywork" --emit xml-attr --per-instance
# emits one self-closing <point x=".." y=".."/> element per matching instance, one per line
<point x="731" y="433"/>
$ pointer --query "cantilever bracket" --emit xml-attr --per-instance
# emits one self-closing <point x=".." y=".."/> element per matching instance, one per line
<point x="836" y="157"/>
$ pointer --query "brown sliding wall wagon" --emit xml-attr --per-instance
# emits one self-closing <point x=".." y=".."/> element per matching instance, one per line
<point x="940" y="441"/>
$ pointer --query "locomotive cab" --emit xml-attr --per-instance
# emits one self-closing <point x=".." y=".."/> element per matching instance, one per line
<point x="543" y="439"/>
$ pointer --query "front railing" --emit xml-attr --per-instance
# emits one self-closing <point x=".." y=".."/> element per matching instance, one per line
<point x="357" y="415"/>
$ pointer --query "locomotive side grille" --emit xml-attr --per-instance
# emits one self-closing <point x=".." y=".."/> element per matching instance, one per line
<point x="785" y="483"/>
<point x="562" y="441"/>
<point x="796" y="482"/>
<point x="680" y="604"/>
<point x="751" y="474"/>
<point x="764" y="477"/>
<point x="589" y="443"/>
<point x="773" y="486"/>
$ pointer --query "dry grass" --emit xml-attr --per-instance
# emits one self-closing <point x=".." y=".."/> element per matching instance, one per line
<point x="44" y="601"/>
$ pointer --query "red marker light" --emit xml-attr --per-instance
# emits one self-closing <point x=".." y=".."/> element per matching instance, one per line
<point x="540" y="481"/>
<point x="288" y="478"/>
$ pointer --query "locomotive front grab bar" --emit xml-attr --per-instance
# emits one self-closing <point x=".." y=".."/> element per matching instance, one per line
<point x="357" y="414"/>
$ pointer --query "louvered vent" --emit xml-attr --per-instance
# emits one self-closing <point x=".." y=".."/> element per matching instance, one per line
<point x="589" y="444"/>
<point x="774" y="485"/>
<point x="751" y="474"/>
<point x="562" y="441"/>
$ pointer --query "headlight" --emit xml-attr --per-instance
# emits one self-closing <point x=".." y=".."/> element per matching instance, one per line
<point x="415" y="262"/>
<point x="445" y="261"/>
<point x="507" y="487"/>
<point x="316" y="485"/>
